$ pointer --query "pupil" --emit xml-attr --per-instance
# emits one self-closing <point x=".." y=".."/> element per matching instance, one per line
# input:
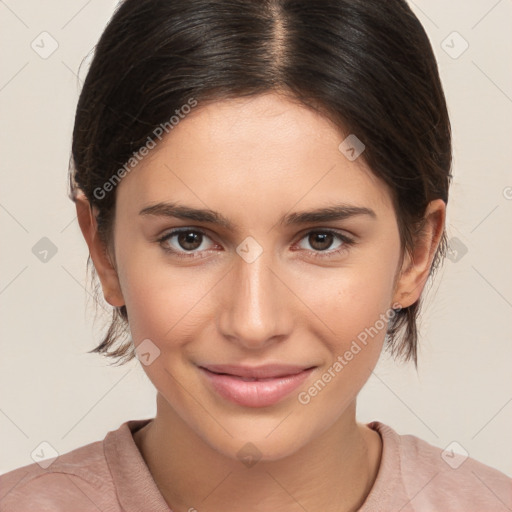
<point x="325" y="241"/>
<point x="187" y="238"/>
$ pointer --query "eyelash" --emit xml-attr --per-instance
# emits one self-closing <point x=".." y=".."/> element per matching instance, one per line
<point x="347" y="242"/>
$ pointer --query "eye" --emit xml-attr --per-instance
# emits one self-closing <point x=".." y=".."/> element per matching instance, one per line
<point x="187" y="240"/>
<point x="322" y="240"/>
<point x="189" y="243"/>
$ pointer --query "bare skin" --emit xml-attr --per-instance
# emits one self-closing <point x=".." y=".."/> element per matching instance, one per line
<point x="254" y="161"/>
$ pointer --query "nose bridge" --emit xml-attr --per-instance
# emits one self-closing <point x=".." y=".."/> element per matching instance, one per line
<point x="255" y="310"/>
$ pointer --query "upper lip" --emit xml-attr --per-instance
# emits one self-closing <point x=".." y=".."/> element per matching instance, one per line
<point x="256" y="372"/>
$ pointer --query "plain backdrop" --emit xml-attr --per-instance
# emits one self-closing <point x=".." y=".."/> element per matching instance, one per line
<point x="51" y="390"/>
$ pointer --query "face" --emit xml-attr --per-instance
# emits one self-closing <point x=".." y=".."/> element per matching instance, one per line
<point x="304" y="300"/>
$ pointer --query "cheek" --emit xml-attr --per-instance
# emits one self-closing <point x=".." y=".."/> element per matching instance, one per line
<point x="148" y="288"/>
<point x="350" y="299"/>
<point x="163" y="304"/>
<point x="354" y="309"/>
<point x="354" y="306"/>
<point x="168" y="306"/>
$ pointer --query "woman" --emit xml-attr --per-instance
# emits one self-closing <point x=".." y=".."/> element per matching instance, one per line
<point x="262" y="187"/>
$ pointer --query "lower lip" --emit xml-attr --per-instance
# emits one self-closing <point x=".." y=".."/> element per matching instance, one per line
<point x="256" y="393"/>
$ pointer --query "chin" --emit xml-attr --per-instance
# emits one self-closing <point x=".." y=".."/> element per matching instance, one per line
<point x="262" y="439"/>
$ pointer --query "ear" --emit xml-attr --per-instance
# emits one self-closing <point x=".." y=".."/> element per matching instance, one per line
<point x="416" y="266"/>
<point x="99" y="254"/>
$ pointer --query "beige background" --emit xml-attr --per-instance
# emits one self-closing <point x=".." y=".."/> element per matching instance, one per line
<point x="51" y="390"/>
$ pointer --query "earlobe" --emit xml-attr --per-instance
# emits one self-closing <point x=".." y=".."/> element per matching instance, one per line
<point x="99" y="254"/>
<point x="416" y="265"/>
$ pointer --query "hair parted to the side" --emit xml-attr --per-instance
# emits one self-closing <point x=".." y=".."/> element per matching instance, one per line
<point x="367" y="65"/>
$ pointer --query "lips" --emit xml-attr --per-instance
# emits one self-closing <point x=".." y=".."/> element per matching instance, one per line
<point x="254" y="386"/>
<point x="270" y="371"/>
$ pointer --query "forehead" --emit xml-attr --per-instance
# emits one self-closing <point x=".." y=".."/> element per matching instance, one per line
<point x="264" y="151"/>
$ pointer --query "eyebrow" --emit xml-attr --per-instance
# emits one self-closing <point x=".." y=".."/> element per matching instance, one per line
<point x="326" y="214"/>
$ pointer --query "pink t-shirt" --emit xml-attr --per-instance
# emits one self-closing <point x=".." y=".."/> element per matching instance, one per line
<point x="111" y="476"/>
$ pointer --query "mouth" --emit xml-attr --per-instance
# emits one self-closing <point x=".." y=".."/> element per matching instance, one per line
<point x="255" y="386"/>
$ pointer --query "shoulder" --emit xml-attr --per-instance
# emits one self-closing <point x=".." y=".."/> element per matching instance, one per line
<point x="433" y="478"/>
<point x="77" y="480"/>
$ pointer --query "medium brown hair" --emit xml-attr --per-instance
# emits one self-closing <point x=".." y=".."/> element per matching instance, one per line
<point x="367" y="65"/>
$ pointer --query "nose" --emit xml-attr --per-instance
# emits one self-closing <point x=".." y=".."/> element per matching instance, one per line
<point x="256" y="304"/>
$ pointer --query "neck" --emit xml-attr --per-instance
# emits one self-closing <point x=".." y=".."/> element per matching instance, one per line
<point x="332" y="473"/>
